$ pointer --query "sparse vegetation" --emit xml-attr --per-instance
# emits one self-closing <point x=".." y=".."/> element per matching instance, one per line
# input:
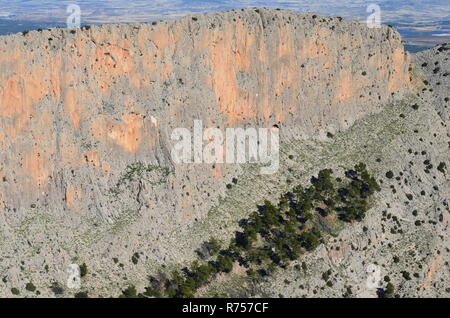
<point x="83" y="270"/>
<point x="274" y="235"/>
<point x="57" y="288"/>
<point x="138" y="171"/>
<point x="82" y="294"/>
<point x="130" y="292"/>
<point x="15" y="291"/>
<point x="389" y="174"/>
<point x="388" y="292"/>
<point x="30" y="287"/>
<point x="442" y="167"/>
<point x="135" y="258"/>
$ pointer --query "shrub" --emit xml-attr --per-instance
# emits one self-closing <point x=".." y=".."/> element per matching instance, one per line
<point x="310" y="239"/>
<point x="186" y="291"/>
<point x="406" y="275"/>
<point x="135" y="258"/>
<point x="152" y="292"/>
<point x="442" y="166"/>
<point x="83" y="270"/>
<point x="57" y="289"/>
<point x="251" y="272"/>
<point x="304" y="266"/>
<point x="82" y="294"/>
<point x="389" y="292"/>
<point x="130" y="292"/>
<point x="213" y="246"/>
<point x="224" y="264"/>
<point x="30" y="287"/>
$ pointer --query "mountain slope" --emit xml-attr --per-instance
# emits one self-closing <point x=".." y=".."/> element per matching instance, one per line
<point x="86" y="118"/>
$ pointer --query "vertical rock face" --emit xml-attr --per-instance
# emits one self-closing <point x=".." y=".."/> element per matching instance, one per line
<point x="78" y="107"/>
<point x="435" y="66"/>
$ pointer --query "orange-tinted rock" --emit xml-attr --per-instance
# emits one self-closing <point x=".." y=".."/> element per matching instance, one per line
<point x="76" y="109"/>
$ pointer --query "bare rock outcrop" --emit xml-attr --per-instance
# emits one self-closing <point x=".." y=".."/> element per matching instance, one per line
<point x="78" y="108"/>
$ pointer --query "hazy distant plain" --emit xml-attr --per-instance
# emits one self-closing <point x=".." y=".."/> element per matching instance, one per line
<point x="421" y="22"/>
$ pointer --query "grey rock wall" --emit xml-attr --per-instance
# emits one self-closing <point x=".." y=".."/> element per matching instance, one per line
<point x="78" y="108"/>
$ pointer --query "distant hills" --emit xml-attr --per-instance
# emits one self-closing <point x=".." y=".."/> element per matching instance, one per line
<point x="421" y="23"/>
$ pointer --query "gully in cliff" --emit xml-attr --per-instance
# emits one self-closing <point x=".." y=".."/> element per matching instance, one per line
<point x="210" y="146"/>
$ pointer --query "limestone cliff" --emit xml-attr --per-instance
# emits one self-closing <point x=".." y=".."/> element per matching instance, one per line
<point x="82" y="105"/>
<point x="79" y="107"/>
